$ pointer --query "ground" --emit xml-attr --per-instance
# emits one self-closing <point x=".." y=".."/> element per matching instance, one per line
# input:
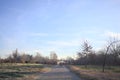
<point x="18" y="71"/>
<point x="58" y="73"/>
<point x="95" y="72"/>
<point x="35" y="72"/>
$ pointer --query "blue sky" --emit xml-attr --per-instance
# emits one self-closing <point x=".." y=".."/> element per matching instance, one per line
<point x="56" y="25"/>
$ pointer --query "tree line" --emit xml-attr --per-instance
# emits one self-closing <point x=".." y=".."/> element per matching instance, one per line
<point x="17" y="57"/>
<point x="110" y="54"/>
<point x="107" y="56"/>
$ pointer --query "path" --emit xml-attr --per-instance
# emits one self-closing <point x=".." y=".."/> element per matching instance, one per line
<point x="59" y="73"/>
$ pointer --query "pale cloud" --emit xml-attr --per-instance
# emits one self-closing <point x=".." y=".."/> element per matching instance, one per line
<point x="112" y="34"/>
<point x="39" y="34"/>
<point x="45" y="34"/>
<point x="64" y="43"/>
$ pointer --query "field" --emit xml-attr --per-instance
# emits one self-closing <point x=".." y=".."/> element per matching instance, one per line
<point x="95" y="72"/>
<point x="17" y="71"/>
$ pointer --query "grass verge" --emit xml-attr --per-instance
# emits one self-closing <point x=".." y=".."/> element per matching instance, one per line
<point x="18" y="71"/>
<point x="95" y="73"/>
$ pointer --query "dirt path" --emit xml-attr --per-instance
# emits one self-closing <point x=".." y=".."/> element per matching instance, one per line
<point x="58" y="73"/>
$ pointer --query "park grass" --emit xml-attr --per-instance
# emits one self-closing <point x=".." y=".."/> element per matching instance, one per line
<point x="95" y="72"/>
<point x="19" y="71"/>
<point x="99" y="68"/>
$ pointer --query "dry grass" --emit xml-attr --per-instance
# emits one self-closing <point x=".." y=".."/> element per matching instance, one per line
<point x="21" y="71"/>
<point x="93" y="74"/>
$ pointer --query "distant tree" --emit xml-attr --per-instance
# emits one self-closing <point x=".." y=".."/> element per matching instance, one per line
<point x="16" y="56"/>
<point x="10" y="59"/>
<point x="86" y="49"/>
<point x="38" y="58"/>
<point x="53" y="57"/>
<point x="92" y="58"/>
<point x="100" y="57"/>
<point x="80" y="57"/>
<point x="46" y="60"/>
<point x="23" y="58"/>
<point x="0" y="61"/>
<point x="70" y="60"/>
<point x="26" y="58"/>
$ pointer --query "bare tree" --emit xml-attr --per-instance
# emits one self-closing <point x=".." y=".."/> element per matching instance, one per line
<point x="0" y="62"/>
<point x="107" y="50"/>
<point x="16" y="56"/>
<point x="115" y="50"/>
<point x="53" y="57"/>
<point x="70" y="60"/>
<point x="26" y="58"/>
<point x="86" y="49"/>
<point x="38" y="58"/>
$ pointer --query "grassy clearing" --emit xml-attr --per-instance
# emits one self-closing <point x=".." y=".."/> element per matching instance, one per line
<point x="95" y="72"/>
<point x="17" y="71"/>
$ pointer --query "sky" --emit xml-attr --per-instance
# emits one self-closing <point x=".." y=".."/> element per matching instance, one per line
<point x="56" y="25"/>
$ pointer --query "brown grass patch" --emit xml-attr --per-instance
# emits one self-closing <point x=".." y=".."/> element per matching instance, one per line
<point x="90" y="74"/>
